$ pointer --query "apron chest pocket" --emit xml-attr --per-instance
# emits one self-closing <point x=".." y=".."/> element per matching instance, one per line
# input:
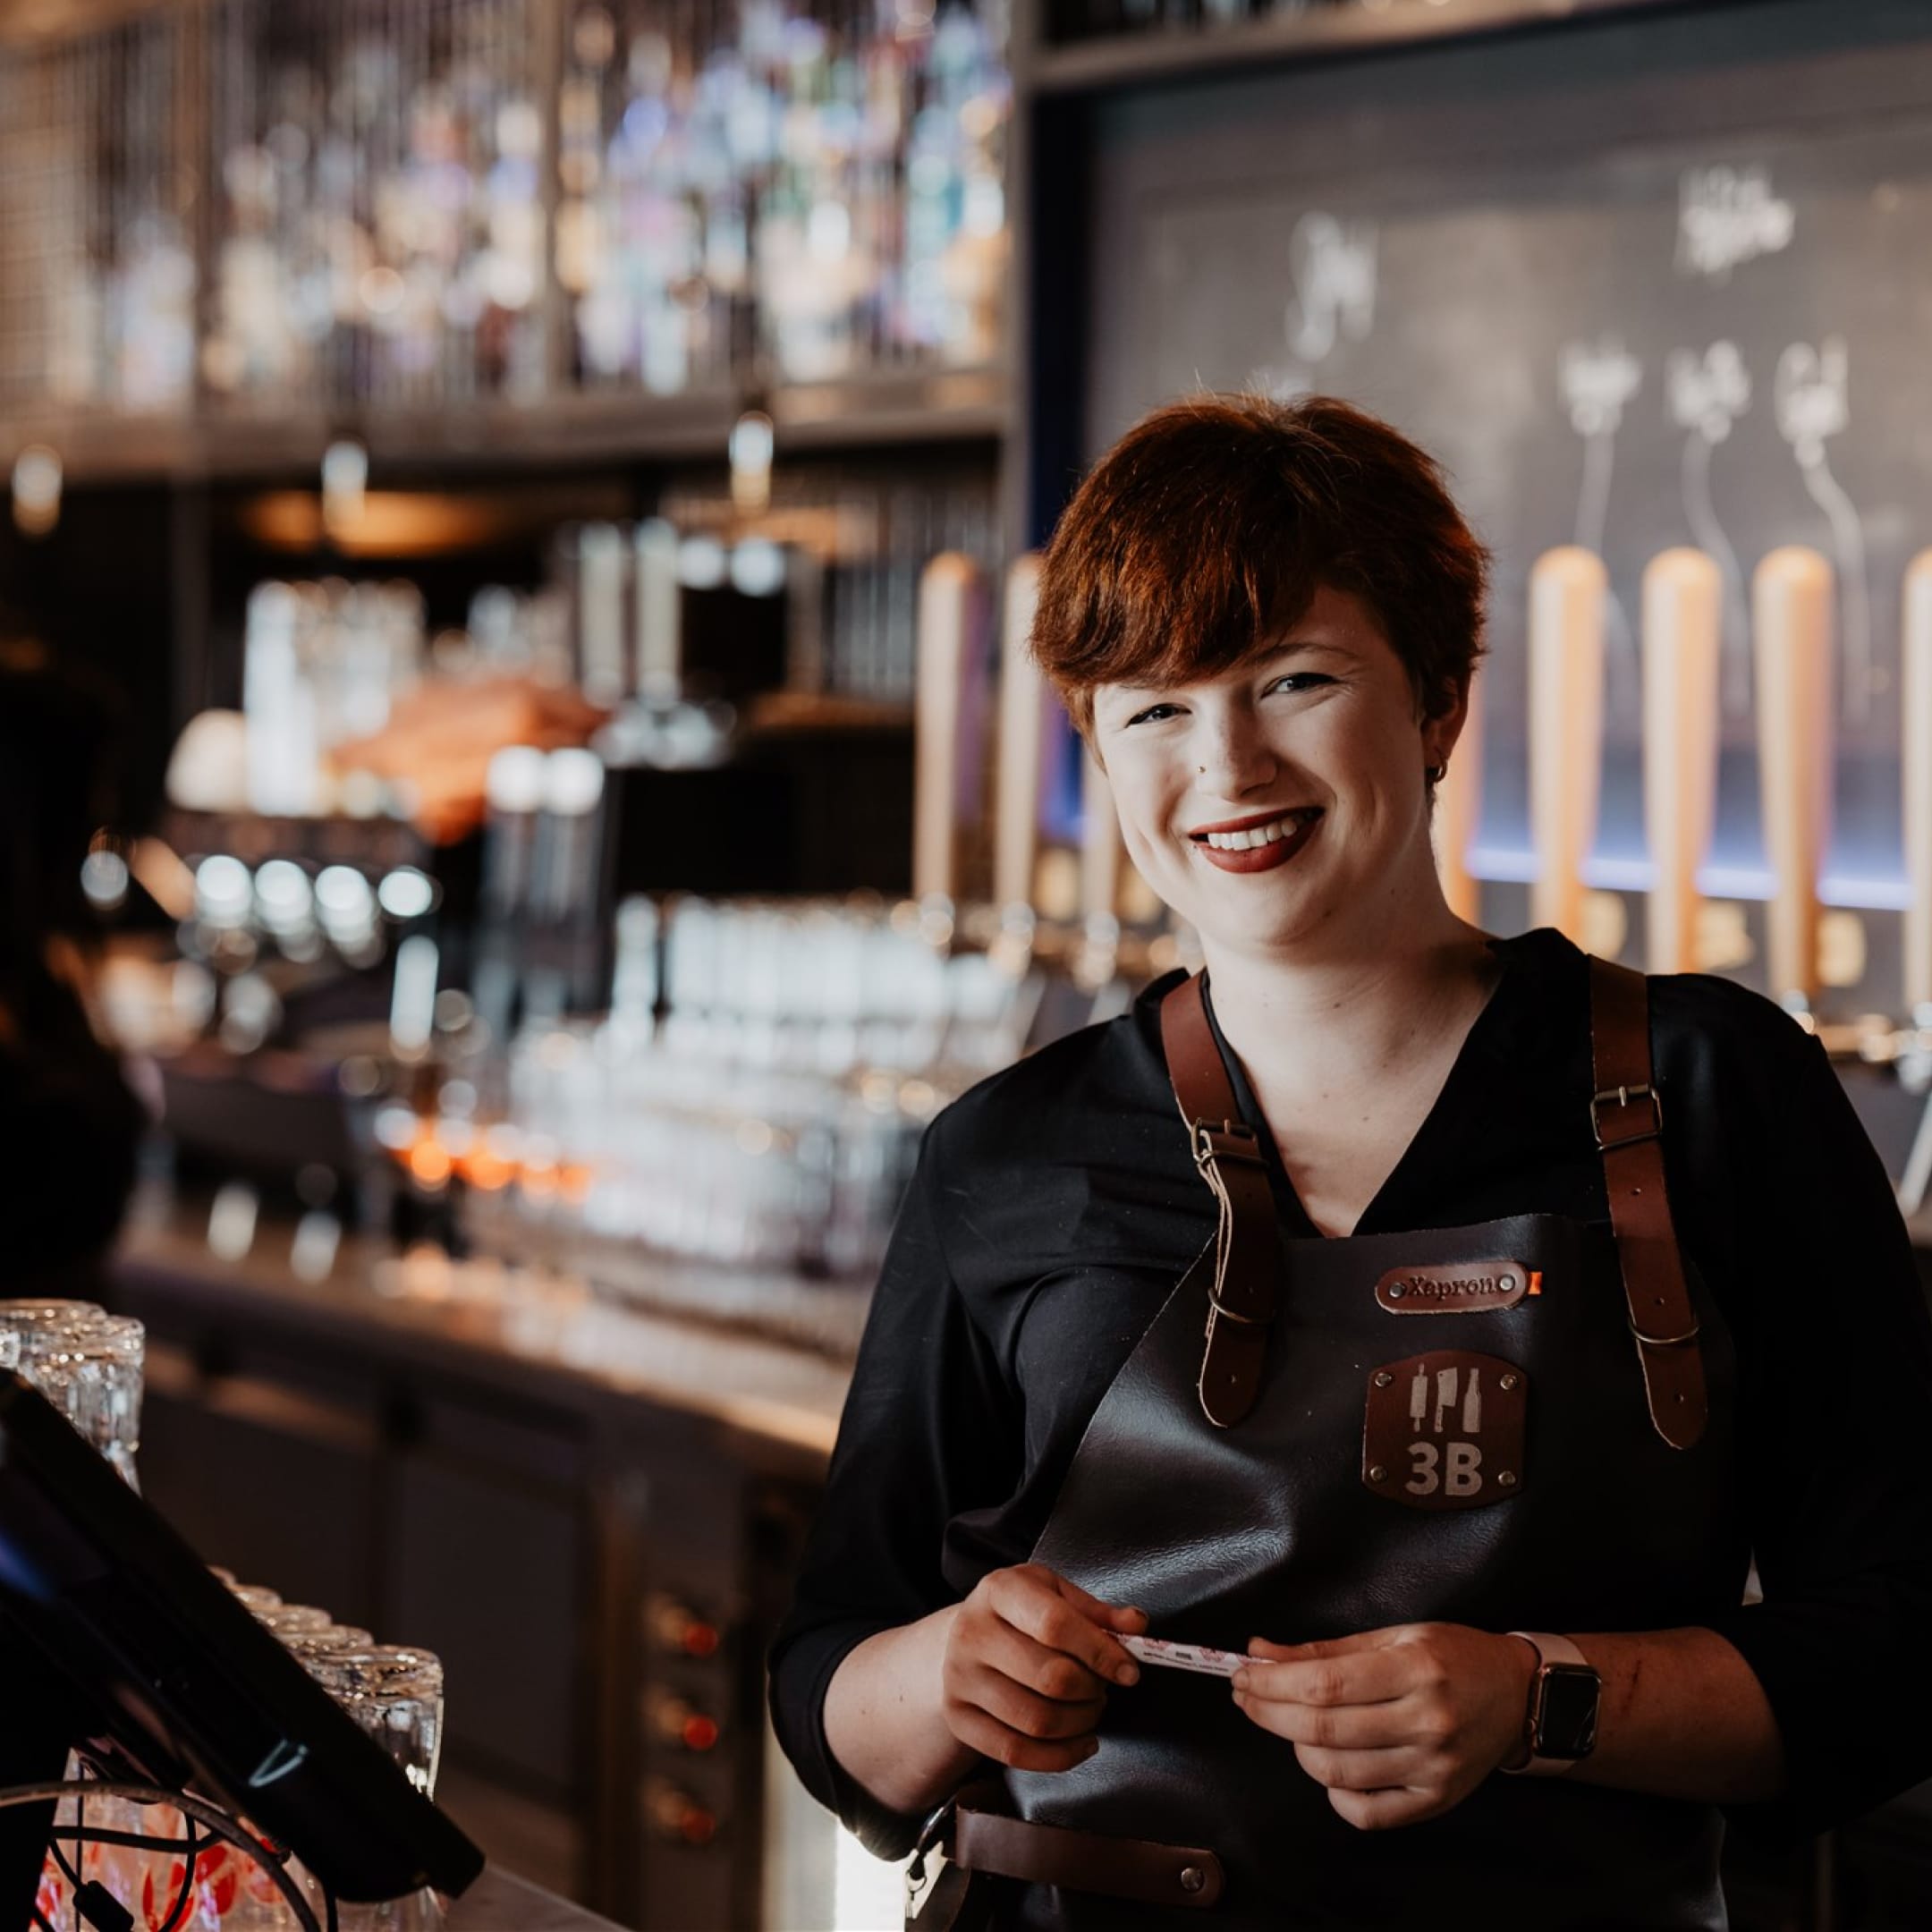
<point x="1445" y="1430"/>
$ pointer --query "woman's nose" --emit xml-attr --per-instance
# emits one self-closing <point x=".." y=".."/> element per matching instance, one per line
<point x="1232" y="758"/>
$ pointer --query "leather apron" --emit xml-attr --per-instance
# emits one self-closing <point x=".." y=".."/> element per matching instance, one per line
<point x="1451" y="1425"/>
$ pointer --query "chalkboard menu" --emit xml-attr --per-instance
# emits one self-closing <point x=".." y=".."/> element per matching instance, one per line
<point x="1642" y="284"/>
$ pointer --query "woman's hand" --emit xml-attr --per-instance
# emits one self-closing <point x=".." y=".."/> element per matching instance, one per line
<point x="1028" y="1659"/>
<point x="1400" y="1724"/>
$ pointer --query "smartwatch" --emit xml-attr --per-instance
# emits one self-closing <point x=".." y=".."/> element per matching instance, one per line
<point x="1560" y="1719"/>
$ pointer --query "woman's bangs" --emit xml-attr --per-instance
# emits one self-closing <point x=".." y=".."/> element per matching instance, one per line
<point x="1171" y="624"/>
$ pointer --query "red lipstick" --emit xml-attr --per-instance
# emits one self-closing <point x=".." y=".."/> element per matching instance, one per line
<point x="1257" y="858"/>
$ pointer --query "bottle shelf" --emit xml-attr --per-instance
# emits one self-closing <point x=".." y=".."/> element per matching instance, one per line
<point x="579" y="426"/>
<point x="1161" y="53"/>
<point x="497" y="232"/>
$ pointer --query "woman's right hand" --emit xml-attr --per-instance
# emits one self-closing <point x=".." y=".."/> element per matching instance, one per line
<point x="1027" y="1662"/>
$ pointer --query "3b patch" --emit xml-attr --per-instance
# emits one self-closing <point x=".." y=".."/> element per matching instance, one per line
<point x="1444" y="1431"/>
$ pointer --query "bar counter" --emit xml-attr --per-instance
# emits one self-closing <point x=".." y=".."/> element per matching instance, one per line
<point x="590" y="1510"/>
<point x="499" y="1902"/>
<point x="764" y="1356"/>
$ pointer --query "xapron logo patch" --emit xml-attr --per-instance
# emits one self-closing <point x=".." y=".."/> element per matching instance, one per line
<point x="1444" y="1431"/>
<point x="1459" y="1288"/>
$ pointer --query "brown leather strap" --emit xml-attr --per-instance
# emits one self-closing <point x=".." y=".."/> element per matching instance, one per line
<point x="1628" y="1117"/>
<point x="1086" y="1862"/>
<point x="1246" y="1247"/>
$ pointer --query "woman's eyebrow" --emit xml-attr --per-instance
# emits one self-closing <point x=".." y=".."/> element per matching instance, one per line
<point x="1302" y="647"/>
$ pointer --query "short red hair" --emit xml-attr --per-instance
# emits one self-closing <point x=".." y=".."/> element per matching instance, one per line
<point x="1206" y="530"/>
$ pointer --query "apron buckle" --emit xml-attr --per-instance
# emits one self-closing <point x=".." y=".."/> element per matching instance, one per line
<point x="1226" y="1139"/>
<point x="1623" y="1096"/>
<point x="1667" y="1341"/>
<point x="929" y="1860"/>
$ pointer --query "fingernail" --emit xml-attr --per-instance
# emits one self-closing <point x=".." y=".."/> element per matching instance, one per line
<point x="1240" y="1680"/>
<point x="1128" y="1673"/>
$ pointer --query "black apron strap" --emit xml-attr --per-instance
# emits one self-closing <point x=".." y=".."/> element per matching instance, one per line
<point x="1628" y="1120"/>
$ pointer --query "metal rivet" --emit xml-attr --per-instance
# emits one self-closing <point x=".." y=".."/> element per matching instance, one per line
<point x="1377" y="1474"/>
<point x="1395" y="1291"/>
<point x="1508" y="1382"/>
<point x="1383" y="1378"/>
<point x="1192" y="1878"/>
<point x="1508" y="1478"/>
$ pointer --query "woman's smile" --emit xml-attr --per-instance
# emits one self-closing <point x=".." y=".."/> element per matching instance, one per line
<point x="1258" y="844"/>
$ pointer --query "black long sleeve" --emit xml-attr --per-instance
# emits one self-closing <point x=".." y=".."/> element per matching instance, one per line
<point x="1836" y="1386"/>
<point x="928" y="1436"/>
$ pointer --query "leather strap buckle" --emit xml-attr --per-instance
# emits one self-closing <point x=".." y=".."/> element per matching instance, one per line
<point x="1667" y="1341"/>
<point x="1623" y="1096"/>
<point x="1226" y="1139"/>
<point x="1228" y="1314"/>
<point x="934" y="1837"/>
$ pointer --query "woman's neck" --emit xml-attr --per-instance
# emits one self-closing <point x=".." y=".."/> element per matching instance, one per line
<point x="1317" y="1025"/>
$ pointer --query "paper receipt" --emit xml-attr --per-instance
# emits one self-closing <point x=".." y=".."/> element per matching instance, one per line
<point x="1167" y="1656"/>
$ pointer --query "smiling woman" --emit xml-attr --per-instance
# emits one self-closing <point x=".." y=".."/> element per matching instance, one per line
<point x="1210" y="526"/>
<point x="1130" y="1377"/>
<point x="1264" y="617"/>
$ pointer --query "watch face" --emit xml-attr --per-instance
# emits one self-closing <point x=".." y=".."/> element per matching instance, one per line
<point x="1568" y="1719"/>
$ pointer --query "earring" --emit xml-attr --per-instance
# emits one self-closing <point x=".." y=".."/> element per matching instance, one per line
<point x="1436" y="774"/>
<point x="1203" y="769"/>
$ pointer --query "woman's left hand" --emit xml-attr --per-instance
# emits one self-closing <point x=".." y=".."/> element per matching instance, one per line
<point x="1401" y="1723"/>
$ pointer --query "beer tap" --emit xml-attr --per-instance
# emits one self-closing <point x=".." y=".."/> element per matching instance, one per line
<point x="1683" y="614"/>
<point x="1568" y="588"/>
<point x="1791" y="621"/>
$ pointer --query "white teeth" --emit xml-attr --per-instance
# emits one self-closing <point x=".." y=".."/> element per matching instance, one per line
<point x="1246" y="840"/>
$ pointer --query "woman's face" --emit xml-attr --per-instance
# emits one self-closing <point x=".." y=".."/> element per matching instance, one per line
<point x="1281" y="805"/>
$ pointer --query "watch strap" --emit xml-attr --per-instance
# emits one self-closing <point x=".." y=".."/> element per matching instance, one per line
<point x="1550" y="1649"/>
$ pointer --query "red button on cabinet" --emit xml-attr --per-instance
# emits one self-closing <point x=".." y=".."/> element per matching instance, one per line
<point x="672" y="1813"/>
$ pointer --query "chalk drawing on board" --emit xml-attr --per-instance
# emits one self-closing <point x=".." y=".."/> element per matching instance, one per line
<point x="1813" y="405"/>
<point x="1707" y="394"/>
<point x="1727" y="216"/>
<point x="1334" y="266"/>
<point x="1598" y="377"/>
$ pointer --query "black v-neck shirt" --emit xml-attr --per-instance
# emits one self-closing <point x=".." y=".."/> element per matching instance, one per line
<point x="1055" y="1205"/>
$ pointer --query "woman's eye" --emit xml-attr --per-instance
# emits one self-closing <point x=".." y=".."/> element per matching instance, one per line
<point x="1153" y="713"/>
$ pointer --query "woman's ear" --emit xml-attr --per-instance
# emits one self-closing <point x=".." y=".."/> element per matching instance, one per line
<point x="1442" y="721"/>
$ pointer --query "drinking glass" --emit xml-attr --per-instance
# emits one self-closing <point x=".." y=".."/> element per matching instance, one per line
<point x="85" y="1362"/>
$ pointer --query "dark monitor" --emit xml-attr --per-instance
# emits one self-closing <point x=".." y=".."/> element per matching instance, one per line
<point x="116" y="1640"/>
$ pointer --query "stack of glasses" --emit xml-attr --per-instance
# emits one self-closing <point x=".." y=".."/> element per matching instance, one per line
<point x="87" y="1363"/>
<point x="394" y="1692"/>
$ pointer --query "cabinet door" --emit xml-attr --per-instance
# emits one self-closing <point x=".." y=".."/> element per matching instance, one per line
<point x="488" y="1560"/>
<point x="279" y="1487"/>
